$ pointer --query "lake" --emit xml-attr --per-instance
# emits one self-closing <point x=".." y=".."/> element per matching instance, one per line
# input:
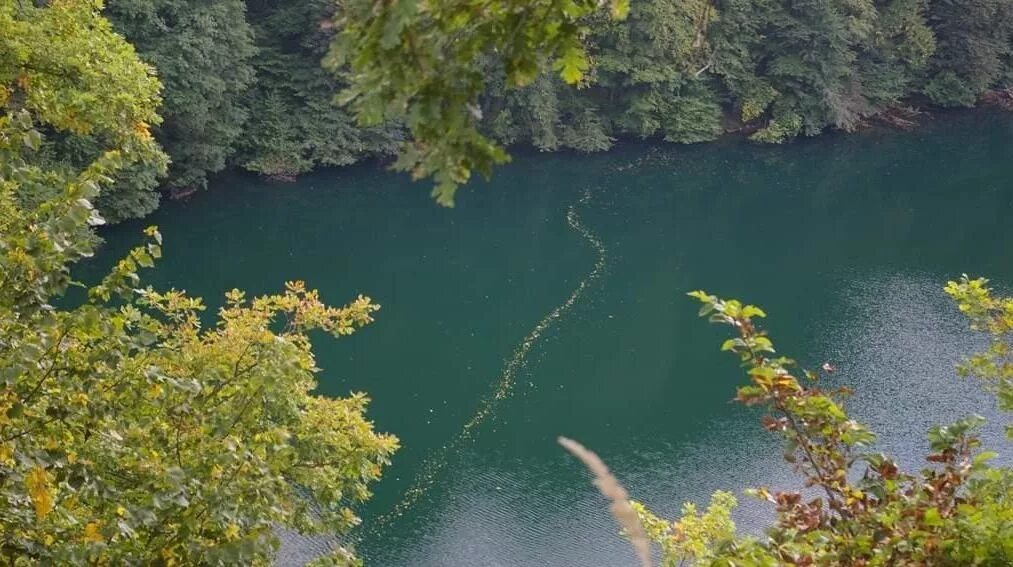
<point x="552" y="301"/>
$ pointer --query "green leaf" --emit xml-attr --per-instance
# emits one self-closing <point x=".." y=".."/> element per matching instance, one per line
<point x="620" y="9"/>
<point x="984" y="457"/>
<point x="32" y="139"/>
<point x="572" y="65"/>
<point x="932" y="517"/>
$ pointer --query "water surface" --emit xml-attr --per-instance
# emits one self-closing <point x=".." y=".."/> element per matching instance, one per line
<point x="552" y="301"/>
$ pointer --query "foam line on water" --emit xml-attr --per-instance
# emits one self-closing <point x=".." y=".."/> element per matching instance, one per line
<point x="432" y="466"/>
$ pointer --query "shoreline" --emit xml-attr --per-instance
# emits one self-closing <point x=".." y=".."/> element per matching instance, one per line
<point x="920" y="115"/>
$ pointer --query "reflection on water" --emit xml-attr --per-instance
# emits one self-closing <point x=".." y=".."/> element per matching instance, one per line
<point x="845" y="241"/>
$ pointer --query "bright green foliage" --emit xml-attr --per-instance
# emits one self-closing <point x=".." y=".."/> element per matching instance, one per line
<point x="64" y="68"/>
<point x="421" y="63"/>
<point x="294" y="124"/>
<point x="974" y="43"/>
<point x="132" y="435"/>
<point x="863" y="509"/>
<point x="202" y="51"/>
<point x="64" y="64"/>
<point x="992" y="315"/>
<point x="693" y="537"/>
<point x="129" y="434"/>
<point x="783" y="126"/>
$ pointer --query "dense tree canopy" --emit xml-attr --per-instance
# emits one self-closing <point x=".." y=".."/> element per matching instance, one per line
<point x="129" y="433"/>
<point x="422" y="63"/>
<point x="973" y="49"/>
<point x="683" y="71"/>
<point x="294" y="124"/>
<point x="446" y="86"/>
<point x="202" y="51"/>
<point x="132" y="434"/>
<point x="64" y="69"/>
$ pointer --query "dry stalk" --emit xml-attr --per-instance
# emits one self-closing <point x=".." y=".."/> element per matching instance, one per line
<point x="610" y="487"/>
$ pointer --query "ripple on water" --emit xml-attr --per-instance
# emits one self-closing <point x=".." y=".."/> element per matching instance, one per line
<point x="522" y="512"/>
<point x="435" y="464"/>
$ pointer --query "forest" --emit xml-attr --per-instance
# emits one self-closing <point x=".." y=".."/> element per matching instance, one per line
<point x="244" y="85"/>
<point x="138" y="426"/>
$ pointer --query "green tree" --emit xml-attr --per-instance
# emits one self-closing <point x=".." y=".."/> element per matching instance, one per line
<point x="694" y="537"/>
<point x="974" y="42"/>
<point x="202" y="51"/>
<point x="647" y="79"/>
<point x="422" y="63"/>
<point x="992" y="315"/>
<point x="451" y="72"/>
<point x="133" y="192"/>
<point x="294" y="124"/>
<point x="651" y="67"/>
<point x="802" y="66"/>
<point x="51" y="70"/>
<point x="794" y="62"/>
<point x="548" y="114"/>
<point x="129" y="433"/>
<point x="892" y="60"/>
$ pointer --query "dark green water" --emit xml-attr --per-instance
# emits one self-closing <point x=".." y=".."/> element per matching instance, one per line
<point x="846" y="241"/>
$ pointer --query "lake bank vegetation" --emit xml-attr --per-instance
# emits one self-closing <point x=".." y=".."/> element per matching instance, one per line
<point x="858" y="506"/>
<point x="252" y="84"/>
<point x="130" y="434"/>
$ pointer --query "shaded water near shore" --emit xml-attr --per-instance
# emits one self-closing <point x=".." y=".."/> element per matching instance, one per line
<point x="552" y="301"/>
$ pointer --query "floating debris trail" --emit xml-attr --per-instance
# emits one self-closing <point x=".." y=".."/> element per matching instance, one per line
<point x="432" y="466"/>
